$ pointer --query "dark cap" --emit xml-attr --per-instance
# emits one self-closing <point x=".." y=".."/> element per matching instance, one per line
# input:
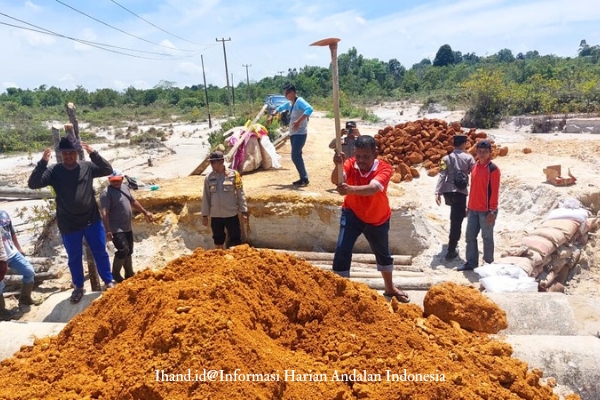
<point x="484" y="144"/>
<point x="459" y="140"/>
<point x="66" y="145"/>
<point x="350" y="125"/>
<point x="216" y="156"/>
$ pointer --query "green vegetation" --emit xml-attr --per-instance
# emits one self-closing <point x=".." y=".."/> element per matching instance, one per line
<point x="489" y="87"/>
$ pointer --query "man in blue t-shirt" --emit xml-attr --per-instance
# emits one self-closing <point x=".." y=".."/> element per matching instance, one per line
<point x="299" y="110"/>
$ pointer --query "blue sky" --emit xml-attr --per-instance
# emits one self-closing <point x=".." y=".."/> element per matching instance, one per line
<point x="271" y="36"/>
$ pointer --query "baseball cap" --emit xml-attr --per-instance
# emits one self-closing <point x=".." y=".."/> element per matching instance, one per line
<point x="484" y="144"/>
<point x="116" y="175"/>
<point x="216" y="156"/>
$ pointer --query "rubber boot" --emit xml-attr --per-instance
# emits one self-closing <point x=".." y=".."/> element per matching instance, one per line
<point x="128" y="267"/>
<point x="116" y="269"/>
<point x="5" y="315"/>
<point x="25" y="297"/>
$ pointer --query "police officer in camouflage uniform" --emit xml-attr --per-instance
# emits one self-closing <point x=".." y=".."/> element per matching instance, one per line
<point x="223" y="199"/>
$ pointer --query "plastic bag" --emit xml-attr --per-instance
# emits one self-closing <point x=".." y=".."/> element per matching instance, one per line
<point x="503" y="283"/>
<point x="494" y="269"/>
<point x="268" y="147"/>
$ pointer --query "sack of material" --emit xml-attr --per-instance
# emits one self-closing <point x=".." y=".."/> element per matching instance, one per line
<point x="540" y="244"/>
<point x="568" y="226"/>
<point x="555" y="235"/>
<point x="523" y="263"/>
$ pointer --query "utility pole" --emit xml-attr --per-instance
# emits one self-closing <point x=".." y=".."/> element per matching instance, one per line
<point x="223" y="40"/>
<point x="248" y="80"/>
<point x="281" y="73"/>
<point x="232" y="91"/>
<point x="206" y="92"/>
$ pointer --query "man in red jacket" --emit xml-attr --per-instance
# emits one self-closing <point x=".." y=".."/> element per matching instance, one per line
<point x="366" y="210"/>
<point x="482" y="207"/>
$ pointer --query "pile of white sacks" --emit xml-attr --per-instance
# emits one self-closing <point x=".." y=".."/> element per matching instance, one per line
<point x="545" y="259"/>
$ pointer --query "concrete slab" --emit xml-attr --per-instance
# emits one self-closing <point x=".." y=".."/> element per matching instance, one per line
<point x="537" y="313"/>
<point x="15" y="334"/>
<point x="572" y="360"/>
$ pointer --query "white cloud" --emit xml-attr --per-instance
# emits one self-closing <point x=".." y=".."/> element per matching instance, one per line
<point x="6" y="85"/>
<point x="189" y="67"/>
<point x="68" y="78"/>
<point x="37" y="39"/>
<point x="86" y="34"/>
<point x="33" y="7"/>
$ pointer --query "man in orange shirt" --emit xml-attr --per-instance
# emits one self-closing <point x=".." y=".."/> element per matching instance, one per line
<point x="482" y="207"/>
<point x="366" y="210"/>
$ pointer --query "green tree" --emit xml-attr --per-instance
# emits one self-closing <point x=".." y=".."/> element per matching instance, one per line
<point x="444" y="56"/>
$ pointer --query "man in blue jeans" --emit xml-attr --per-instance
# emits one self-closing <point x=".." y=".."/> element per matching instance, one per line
<point x="299" y="110"/>
<point x="17" y="262"/>
<point x="482" y="207"/>
<point x="77" y="212"/>
<point x="366" y="210"/>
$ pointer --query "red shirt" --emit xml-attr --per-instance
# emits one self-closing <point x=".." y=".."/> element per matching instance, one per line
<point x="374" y="209"/>
<point x="485" y="187"/>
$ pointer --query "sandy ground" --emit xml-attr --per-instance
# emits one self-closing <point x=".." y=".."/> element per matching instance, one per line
<point x="525" y="197"/>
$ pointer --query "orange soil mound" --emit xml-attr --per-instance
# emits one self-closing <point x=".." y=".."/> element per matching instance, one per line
<point x="467" y="306"/>
<point x="246" y="312"/>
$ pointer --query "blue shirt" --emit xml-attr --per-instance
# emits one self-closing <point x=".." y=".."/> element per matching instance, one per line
<point x="300" y="107"/>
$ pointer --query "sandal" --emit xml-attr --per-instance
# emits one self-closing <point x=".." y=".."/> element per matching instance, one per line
<point x="77" y="295"/>
<point x="398" y="295"/>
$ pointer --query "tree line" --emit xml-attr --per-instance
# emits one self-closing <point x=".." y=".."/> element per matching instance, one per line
<point x="490" y="87"/>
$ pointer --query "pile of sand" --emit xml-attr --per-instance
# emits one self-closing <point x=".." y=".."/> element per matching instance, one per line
<point x="246" y="323"/>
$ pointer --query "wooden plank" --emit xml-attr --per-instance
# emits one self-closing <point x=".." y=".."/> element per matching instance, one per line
<point x="361" y="258"/>
<point x="402" y="283"/>
<point x="368" y="267"/>
<point x="92" y="270"/>
<point x="371" y="273"/>
<point x="23" y="193"/>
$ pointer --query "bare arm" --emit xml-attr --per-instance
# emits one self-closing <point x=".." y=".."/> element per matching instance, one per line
<point x="104" y="215"/>
<point x="362" y="190"/>
<point x="148" y="215"/>
<point x="15" y="240"/>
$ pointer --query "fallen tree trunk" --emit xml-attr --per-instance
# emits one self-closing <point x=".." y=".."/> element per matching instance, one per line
<point x="371" y="273"/>
<point x="359" y="258"/>
<point x="402" y="283"/>
<point x="42" y="276"/>
<point x="23" y="193"/>
<point x="367" y="267"/>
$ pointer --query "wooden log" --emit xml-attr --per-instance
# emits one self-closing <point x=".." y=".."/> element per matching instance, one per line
<point x="23" y="193"/>
<point x="402" y="283"/>
<point x="360" y="258"/>
<point x="42" y="276"/>
<point x="280" y="141"/>
<point x="72" y="129"/>
<point x="371" y="273"/>
<point x="40" y="260"/>
<point x="367" y="267"/>
<point x="56" y="140"/>
<point x="37" y="268"/>
<point x="92" y="270"/>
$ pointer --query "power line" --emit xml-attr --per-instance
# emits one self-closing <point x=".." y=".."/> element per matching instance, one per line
<point x="121" y="30"/>
<point x="92" y="44"/>
<point x="83" y="41"/>
<point x="157" y="27"/>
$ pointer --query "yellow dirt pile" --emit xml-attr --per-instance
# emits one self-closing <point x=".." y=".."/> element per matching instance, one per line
<point x="425" y="142"/>
<point x="250" y="324"/>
